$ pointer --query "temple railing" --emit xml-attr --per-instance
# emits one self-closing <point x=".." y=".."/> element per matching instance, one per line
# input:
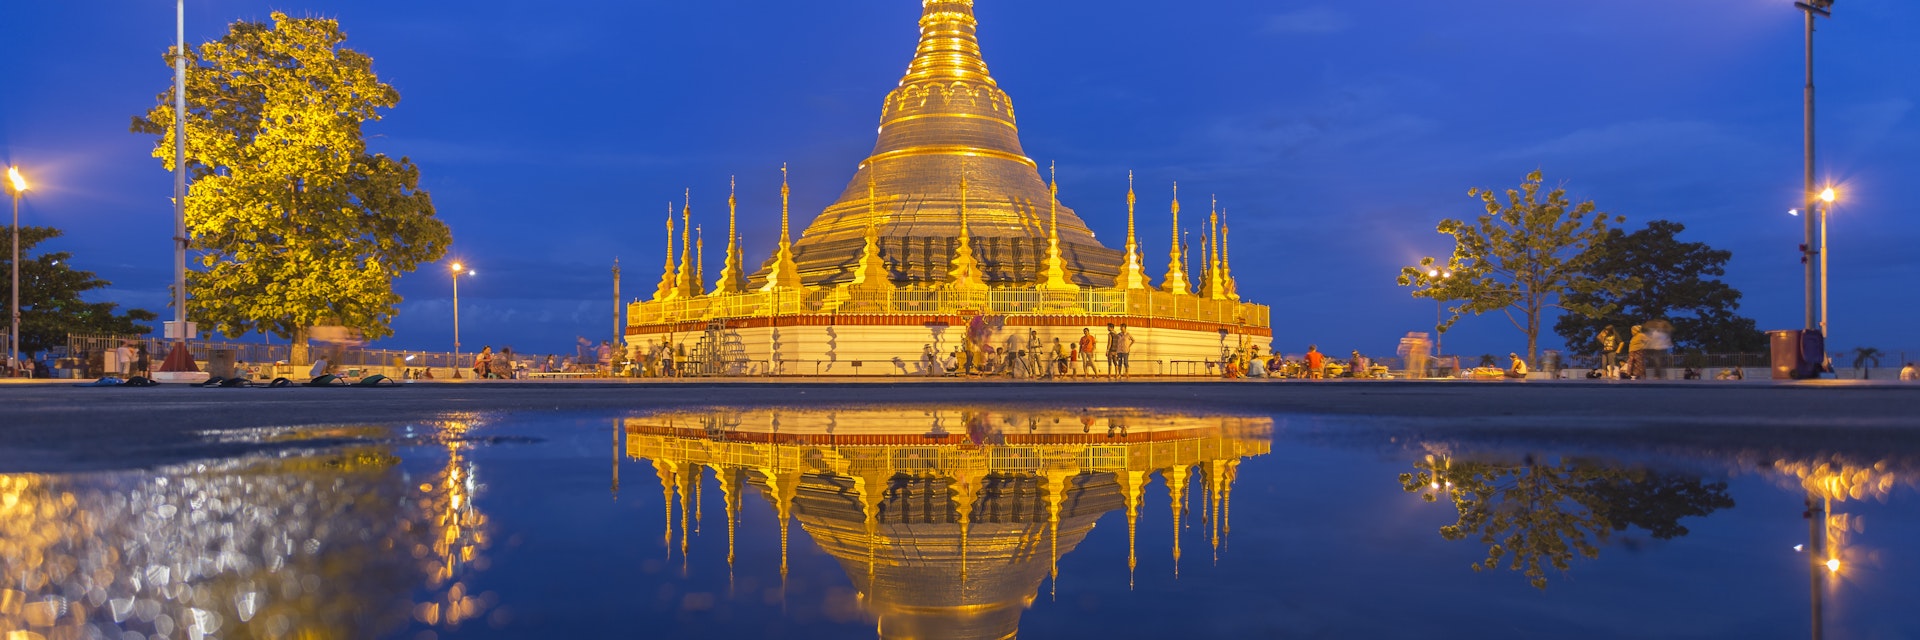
<point x="1144" y="303"/>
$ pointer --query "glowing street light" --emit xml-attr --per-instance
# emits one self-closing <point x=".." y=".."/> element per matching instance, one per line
<point x="18" y="187"/>
<point x="458" y="270"/>
<point x="1826" y="204"/>
<point x="1813" y="9"/>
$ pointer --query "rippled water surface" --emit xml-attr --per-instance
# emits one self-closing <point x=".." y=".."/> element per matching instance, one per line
<point x="980" y="522"/>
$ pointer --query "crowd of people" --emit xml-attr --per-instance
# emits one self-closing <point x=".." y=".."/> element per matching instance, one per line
<point x="1034" y="358"/>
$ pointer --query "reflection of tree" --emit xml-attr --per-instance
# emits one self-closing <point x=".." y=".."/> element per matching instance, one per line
<point x="1534" y="514"/>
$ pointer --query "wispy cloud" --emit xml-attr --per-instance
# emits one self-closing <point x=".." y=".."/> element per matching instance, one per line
<point x="1318" y="20"/>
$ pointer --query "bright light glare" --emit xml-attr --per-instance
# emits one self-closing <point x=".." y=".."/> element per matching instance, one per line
<point x="1793" y="212"/>
<point x="1827" y="196"/>
<point x="1833" y="565"/>
<point x="19" y="183"/>
<point x="1434" y="273"/>
<point x="457" y="267"/>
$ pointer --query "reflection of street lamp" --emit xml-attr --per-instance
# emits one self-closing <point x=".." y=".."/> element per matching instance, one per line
<point x="18" y="186"/>
<point x="458" y="270"/>
<point x="1439" y="331"/>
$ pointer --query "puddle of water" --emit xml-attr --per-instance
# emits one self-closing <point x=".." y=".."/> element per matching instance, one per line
<point x="943" y="522"/>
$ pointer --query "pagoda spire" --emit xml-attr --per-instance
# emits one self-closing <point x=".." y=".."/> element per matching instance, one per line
<point x="1133" y="275"/>
<point x="699" y="261"/>
<point x="1136" y="482"/>
<point x="1177" y="493"/>
<point x="966" y="270"/>
<point x="1054" y="278"/>
<point x="666" y="290"/>
<point x="785" y="274"/>
<point x="685" y="282"/>
<point x="1176" y="280"/>
<point x="1226" y="260"/>
<point x="1215" y="288"/>
<point x="872" y="271"/>
<point x="732" y="278"/>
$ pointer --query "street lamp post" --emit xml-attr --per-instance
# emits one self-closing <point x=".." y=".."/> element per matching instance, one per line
<point x="1813" y="8"/>
<point x="458" y="270"/>
<point x="1826" y="204"/>
<point x="1438" y="332"/>
<point x="18" y="186"/>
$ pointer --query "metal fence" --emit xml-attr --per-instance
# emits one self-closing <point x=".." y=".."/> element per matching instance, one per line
<point x="96" y="356"/>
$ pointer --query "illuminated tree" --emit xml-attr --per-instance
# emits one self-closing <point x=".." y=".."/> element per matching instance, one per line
<point x="1522" y="257"/>
<point x="295" y="224"/>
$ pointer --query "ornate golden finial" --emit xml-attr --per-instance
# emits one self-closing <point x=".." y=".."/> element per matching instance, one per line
<point x="1133" y="275"/>
<point x="732" y="279"/>
<point x="785" y="274"/>
<point x="1176" y="281"/>
<point x="699" y="260"/>
<point x="683" y="488"/>
<point x="1054" y="276"/>
<point x="687" y="286"/>
<point x="664" y="469"/>
<point x="667" y="290"/>
<point x="966" y="274"/>
<point x="1136" y="482"/>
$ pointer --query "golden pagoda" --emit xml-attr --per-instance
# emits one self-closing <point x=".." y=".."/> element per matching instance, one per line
<point x="947" y="521"/>
<point x="947" y="224"/>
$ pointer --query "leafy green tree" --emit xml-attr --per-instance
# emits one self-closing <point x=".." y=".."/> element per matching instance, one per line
<point x="51" y="307"/>
<point x="294" y="222"/>
<point x="1523" y="257"/>
<point x="1672" y="280"/>
<point x="1536" y="514"/>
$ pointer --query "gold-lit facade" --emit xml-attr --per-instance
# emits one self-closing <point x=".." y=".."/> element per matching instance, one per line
<point x="949" y="521"/>
<point x="947" y="219"/>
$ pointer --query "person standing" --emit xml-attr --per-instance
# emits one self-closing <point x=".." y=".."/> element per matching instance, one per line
<point x="1610" y="347"/>
<point x="1909" y="374"/>
<point x="1659" y="347"/>
<point x="1087" y="368"/>
<point x="929" y="362"/>
<point x="1062" y="366"/>
<point x="1113" y="357"/>
<point x="1123" y="350"/>
<point x="1637" y="354"/>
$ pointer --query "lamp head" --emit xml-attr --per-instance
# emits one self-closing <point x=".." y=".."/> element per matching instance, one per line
<point x="457" y="267"/>
<point x="19" y="183"/>
<point x="1828" y="195"/>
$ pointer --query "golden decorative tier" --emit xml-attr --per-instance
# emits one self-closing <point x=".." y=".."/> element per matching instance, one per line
<point x="948" y="117"/>
<point x="1136" y="303"/>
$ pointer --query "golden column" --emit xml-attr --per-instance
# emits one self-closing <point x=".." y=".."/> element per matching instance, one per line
<point x="1055" y="274"/>
<point x="1176" y="281"/>
<point x="785" y="274"/>
<point x="1134" y="274"/>
<point x="667" y="290"/>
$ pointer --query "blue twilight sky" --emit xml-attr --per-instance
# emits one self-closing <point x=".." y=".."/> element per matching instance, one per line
<point x="1336" y="135"/>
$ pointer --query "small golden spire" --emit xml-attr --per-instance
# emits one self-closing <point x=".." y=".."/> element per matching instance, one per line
<point x="1136" y="482"/>
<point x="1226" y="260"/>
<point x="664" y="469"/>
<point x="667" y="290"/>
<point x="1176" y="280"/>
<point x="966" y="275"/>
<point x="1216" y="289"/>
<point x="785" y="274"/>
<point x="1177" y="493"/>
<point x="732" y="278"/>
<point x="1133" y="275"/>
<point x="685" y="282"/>
<point x="699" y="260"/>
<point x="872" y="270"/>
<point x="1054" y="276"/>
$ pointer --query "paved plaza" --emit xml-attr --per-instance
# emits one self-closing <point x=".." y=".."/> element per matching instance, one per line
<point x="59" y="427"/>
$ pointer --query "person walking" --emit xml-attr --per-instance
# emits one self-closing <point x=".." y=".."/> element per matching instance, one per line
<point x="1659" y="347"/>
<point x="1087" y="368"/>
<point x="1610" y="346"/>
<point x="1123" y="350"/>
<point x="1414" y="348"/>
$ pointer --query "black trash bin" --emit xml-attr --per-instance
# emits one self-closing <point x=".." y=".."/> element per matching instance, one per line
<point x="1798" y="354"/>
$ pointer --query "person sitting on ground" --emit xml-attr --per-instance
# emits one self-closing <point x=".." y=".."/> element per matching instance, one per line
<point x="1516" y="368"/>
<point x="1909" y="374"/>
<point x="1690" y="374"/>
<point x="1730" y="373"/>
<point x="1316" y="362"/>
<point x="1256" y="366"/>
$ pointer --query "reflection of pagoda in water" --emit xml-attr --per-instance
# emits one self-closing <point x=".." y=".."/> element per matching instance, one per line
<point x="948" y="521"/>
<point x="947" y="220"/>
